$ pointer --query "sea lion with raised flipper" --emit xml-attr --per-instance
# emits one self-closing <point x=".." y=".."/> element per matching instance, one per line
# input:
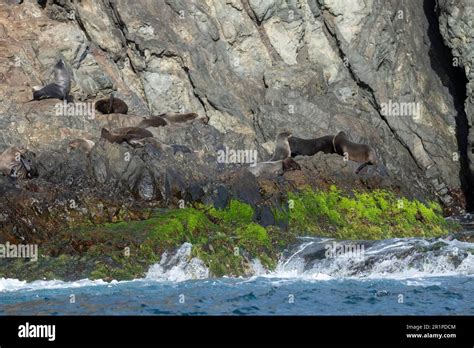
<point x="15" y="163"/>
<point x="58" y="89"/>
<point x="282" y="147"/>
<point x="271" y="168"/>
<point x="84" y="145"/>
<point x="173" y="148"/>
<point x="310" y="147"/>
<point x="361" y="153"/>
<point x="126" y="134"/>
<point x="111" y="105"/>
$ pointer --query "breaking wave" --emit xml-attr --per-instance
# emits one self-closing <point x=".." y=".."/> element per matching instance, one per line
<point x="400" y="258"/>
<point x="312" y="259"/>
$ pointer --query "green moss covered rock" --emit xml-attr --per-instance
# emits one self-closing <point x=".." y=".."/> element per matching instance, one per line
<point x="227" y="240"/>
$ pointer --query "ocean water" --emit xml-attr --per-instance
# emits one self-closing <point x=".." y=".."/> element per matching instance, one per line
<point x="411" y="276"/>
<point x="451" y="295"/>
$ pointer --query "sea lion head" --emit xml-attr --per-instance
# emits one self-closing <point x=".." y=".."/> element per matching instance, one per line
<point x="341" y="134"/>
<point x="141" y="142"/>
<point x="284" y="135"/>
<point x="105" y="133"/>
<point x="60" y="64"/>
<point x="74" y="144"/>
<point x="101" y="106"/>
<point x="23" y="166"/>
<point x="372" y="156"/>
<point x="82" y="144"/>
<point x="27" y="161"/>
<point x="205" y="119"/>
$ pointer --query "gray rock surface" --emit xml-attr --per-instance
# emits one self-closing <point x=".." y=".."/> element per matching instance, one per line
<point x="314" y="67"/>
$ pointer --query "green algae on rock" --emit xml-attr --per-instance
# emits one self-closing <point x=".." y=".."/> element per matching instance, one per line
<point x="226" y="240"/>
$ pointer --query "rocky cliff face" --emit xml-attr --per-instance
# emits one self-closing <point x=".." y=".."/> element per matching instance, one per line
<point x="456" y="28"/>
<point x="374" y="69"/>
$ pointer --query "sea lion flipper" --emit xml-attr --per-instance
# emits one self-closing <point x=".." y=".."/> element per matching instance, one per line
<point x="362" y="166"/>
<point x="25" y="164"/>
<point x="111" y="103"/>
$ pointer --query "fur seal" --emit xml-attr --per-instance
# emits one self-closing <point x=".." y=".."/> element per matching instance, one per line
<point x="172" y="149"/>
<point x="85" y="145"/>
<point x="126" y="134"/>
<point x="155" y="121"/>
<point x="15" y="164"/>
<point x="310" y="147"/>
<point x="361" y="153"/>
<point x="61" y="86"/>
<point x="282" y="147"/>
<point x="111" y="105"/>
<point x="271" y="168"/>
<point x="171" y="118"/>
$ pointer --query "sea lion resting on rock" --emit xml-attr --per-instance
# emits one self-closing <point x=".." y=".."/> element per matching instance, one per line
<point x="59" y="88"/>
<point x="126" y="134"/>
<point x="361" y="153"/>
<point x="282" y="147"/>
<point x="170" y="118"/>
<point x="111" y="105"/>
<point x="173" y="117"/>
<point x="172" y="149"/>
<point x="85" y="145"/>
<point x="310" y="147"/>
<point x="15" y="164"/>
<point x="271" y="168"/>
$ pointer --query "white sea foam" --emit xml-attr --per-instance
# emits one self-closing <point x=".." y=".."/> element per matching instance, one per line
<point x="8" y="284"/>
<point x="401" y="259"/>
<point x="178" y="266"/>
<point x="175" y="267"/>
<point x="392" y="259"/>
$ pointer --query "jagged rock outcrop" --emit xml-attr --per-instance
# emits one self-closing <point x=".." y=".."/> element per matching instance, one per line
<point x="254" y="68"/>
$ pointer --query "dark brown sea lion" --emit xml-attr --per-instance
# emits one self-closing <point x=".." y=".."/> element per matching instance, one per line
<point x="126" y="134"/>
<point x="61" y="86"/>
<point x="111" y="105"/>
<point x="84" y="145"/>
<point x="361" y="153"/>
<point x="282" y="147"/>
<point x="16" y="162"/>
<point x="310" y="147"/>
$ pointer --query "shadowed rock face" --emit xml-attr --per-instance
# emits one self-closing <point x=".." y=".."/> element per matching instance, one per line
<point x="253" y="68"/>
<point x="456" y="34"/>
